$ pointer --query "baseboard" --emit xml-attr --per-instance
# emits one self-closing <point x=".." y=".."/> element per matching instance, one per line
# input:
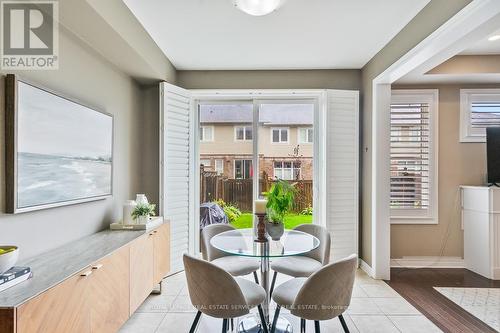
<point x="365" y="267"/>
<point x="433" y="262"/>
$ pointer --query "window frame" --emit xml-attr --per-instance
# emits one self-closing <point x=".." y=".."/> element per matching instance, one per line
<point x="244" y="133"/>
<point x="431" y="215"/>
<point x="222" y="166"/>
<point x="299" y="140"/>
<point x="242" y="167"/>
<point x="280" y="140"/>
<point x="467" y="97"/>
<point x="202" y="131"/>
<point x="282" y="169"/>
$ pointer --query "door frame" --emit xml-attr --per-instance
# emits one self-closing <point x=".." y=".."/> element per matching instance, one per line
<point x="474" y="21"/>
<point x="256" y="96"/>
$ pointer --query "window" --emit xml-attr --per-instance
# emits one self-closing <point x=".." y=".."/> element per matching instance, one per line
<point x="243" y="133"/>
<point x="479" y="108"/>
<point x="205" y="162"/>
<point x="279" y="135"/>
<point x="413" y="154"/>
<point x="219" y="166"/>
<point x="306" y="135"/>
<point x="287" y="170"/>
<point x="206" y="133"/>
<point x="243" y="169"/>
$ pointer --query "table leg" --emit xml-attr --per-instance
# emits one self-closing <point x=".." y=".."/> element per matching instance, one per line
<point x="251" y="324"/>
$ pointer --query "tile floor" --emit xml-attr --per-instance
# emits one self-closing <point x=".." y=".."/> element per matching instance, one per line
<point x="375" y="307"/>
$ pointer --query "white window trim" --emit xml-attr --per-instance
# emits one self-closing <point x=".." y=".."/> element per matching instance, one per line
<point x="222" y="163"/>
<point x="467" y="97"/>
<point x="430" y="96"/>
<point x="292" y="169"/>
<point x="280" y="142"/>
<point x="242" y="166"/>
<point x="244" y="133"/>
<point x="298" y="135"/>
<point x="203" y="127"/>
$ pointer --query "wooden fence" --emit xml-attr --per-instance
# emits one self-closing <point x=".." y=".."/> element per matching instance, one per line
<point x="239" y="192"/>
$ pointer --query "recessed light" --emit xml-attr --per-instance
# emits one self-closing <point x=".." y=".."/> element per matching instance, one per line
<point x="257" y="7"/>
<point x="494" y="38"/>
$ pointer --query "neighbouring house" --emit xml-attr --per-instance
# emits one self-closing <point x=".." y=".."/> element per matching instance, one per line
<point x="285" y="139"/>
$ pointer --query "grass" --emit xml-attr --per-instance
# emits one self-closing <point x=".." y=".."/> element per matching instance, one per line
<point x="291" y="221"/>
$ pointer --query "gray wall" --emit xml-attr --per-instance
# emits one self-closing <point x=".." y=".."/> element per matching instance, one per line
<point x="282" y="79"/>
<point x="85" y="75"/>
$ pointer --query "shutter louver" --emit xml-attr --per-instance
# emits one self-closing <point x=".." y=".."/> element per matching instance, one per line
<point x="175" y="170"/>
<point x="410" y="156"/>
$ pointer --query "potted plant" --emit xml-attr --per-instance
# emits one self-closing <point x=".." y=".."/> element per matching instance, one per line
<point x="280" y="200"/>
<point x="142" y="212"/>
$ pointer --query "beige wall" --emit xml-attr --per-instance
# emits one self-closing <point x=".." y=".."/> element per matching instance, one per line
<point x="281" y="79"/>
<point x="427" y="21"/>
<point x="459" y="164"/>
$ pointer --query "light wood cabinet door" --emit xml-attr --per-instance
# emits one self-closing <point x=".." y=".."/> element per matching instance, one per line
<point x="61" y="309"/>
<point x="161" y="252"/>
<point x="109" y="292"/>
<point x="141" y="269"/>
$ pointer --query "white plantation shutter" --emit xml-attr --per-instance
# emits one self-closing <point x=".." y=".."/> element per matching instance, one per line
<point x="342" y="168"/>
<point x="176" y="187"/>
<point x="479" y="109"/>
<point x="413" y="196"/>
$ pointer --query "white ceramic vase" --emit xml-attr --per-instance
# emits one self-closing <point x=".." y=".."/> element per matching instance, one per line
<point x="141" y="199"/>
<point x="142" y="219"/>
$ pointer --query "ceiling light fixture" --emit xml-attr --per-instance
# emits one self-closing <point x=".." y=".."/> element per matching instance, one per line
<point x="257" y="7"/>
<point x="494" y="38"/>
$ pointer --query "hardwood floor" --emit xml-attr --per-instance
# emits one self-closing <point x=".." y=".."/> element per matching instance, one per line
<point x="416" y="286"/>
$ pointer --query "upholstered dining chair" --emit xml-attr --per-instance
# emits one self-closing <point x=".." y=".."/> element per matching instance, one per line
<point x="218" y="294"/>
<point x="235" y="265"/>
<point x="324" y="295"/>
<point x="306" y="264"/>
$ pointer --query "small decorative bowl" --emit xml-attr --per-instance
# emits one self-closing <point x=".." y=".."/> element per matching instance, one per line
<point x="8" y="259"/>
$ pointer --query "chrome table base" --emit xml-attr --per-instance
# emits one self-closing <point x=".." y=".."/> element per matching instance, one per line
<point x="251" y="324"/>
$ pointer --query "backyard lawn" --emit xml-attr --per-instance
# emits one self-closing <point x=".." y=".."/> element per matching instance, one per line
<point x="291" y="221"/>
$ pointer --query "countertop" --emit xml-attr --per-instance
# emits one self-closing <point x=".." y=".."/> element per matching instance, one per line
<point x="54" y="266"/>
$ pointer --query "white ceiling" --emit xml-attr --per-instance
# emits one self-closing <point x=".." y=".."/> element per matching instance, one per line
<point x="302" y="34"/>
<point x="484" y="46"/>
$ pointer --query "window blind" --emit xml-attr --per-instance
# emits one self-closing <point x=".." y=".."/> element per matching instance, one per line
<point x="485" y="114"/>
<point x="410" y="156"/>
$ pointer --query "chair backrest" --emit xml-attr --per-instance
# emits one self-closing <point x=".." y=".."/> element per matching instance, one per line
<point x="207" y="250"/>
<point x="327" y="293"/>
<point x="322" y="253"/>
<point x="212" y="290"/>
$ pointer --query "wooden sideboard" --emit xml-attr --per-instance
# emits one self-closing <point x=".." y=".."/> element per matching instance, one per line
<point x="92" y="285"/>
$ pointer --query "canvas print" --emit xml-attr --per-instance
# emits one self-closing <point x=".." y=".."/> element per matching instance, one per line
<point x="64" y="150"/>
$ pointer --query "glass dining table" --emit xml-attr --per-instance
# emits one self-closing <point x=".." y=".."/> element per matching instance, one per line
<point x="241" y="243"/>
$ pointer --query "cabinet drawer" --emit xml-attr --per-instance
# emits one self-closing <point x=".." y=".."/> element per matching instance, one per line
<point x="161" y="252"/>
<point x="61" y="309"/>
<point x="141" y="270"/>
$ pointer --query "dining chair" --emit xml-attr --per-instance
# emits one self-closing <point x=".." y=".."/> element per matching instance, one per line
<point x="324" y="295"/>
<point x="306" y="264"/>
<point x="218" y="294"/>
<point x="235" y="265"/>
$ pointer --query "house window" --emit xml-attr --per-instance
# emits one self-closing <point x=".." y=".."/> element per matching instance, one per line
<point x="306" y="135"/>
<point x="479" y="108"/>
<point x="413" y="154"/>
<point x="243" y="169"/>
<point x="206" y="163"/>
<point x="279" y="135"/>
<point x="219" y="166"/>
<point x="243" y="133"/>
<point x="287" y="170"/>
<point x="206" y="133"/>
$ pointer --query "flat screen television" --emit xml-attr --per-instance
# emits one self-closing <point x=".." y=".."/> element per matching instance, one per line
<point x="493" y="155"/>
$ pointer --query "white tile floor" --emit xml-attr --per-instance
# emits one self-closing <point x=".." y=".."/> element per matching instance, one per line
<point x="375" y="307"/>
